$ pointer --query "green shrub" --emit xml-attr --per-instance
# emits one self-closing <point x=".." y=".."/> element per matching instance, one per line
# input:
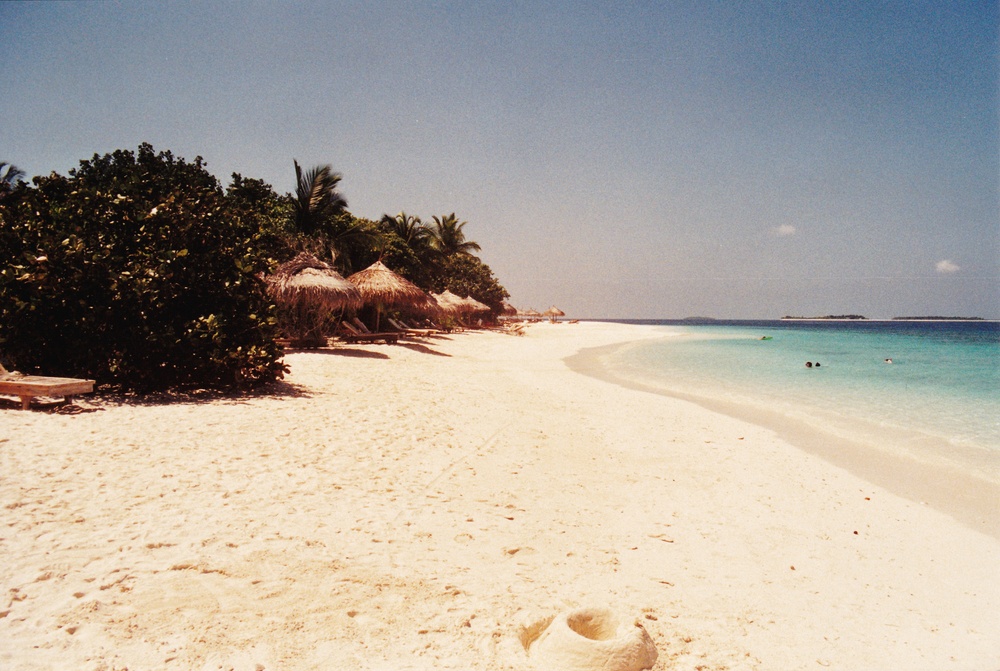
<point x="137" y="270"/>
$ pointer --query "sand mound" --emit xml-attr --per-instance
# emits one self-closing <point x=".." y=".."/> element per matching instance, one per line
<point x="590" y="639"/>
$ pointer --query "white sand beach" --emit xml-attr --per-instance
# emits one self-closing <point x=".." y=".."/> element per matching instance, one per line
<point x="420" y="506"/>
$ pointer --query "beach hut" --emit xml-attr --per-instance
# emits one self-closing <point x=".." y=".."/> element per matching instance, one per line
<point x="309" y="294"/>
<point x="382" y="288"/>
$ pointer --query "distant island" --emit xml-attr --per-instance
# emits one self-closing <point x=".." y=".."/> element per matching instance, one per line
<point x="828" y="317"/>
<point x="939" y="319"/>
<point x="901" y="319"/>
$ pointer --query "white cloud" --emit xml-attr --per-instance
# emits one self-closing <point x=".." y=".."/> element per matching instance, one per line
<point x="946" y="267"/>
<point x="783" y="230"/>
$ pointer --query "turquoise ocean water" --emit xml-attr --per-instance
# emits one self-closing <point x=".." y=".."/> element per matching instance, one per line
<point x="940" y="394"/>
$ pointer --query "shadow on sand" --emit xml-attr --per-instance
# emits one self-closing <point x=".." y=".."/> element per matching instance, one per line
<point x="423" y="349"/>
<point x="278" y="389"/>
<point x="341" y="351"/>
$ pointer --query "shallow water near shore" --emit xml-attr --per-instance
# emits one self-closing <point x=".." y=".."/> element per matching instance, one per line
<point x="937" y="403"/>
<point x="944" y="379"/>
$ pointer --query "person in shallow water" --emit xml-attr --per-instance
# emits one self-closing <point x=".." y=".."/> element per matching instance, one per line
<point x="809" y="364"/>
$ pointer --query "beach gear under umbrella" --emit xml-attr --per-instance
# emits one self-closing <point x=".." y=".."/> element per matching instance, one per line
<point x="308" y="291"/>
<point x="383" y="288"/>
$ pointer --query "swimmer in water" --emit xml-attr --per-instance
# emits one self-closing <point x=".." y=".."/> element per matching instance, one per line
<point x="809" y="364"/>
<point x="888" y="360"/>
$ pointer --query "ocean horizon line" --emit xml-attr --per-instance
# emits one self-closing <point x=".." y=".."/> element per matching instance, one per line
<point x="722" y="320"/>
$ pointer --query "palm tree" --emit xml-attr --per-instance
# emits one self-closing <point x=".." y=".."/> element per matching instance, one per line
<point x="448" y="238"/>
<point x="10" y="175"/>
<point x="317" y="200"/>
<point x="413" y="232"/>
<point x="409" y="228"/>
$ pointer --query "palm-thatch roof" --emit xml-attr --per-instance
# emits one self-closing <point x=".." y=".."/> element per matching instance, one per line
<point x="305" y="281"/>
<point x="449" y="302"/>
<point x="476" y="306"/>
<point x="554" y="312"/>
<point x="507" y="309"/>
<point x="381" y="287"/>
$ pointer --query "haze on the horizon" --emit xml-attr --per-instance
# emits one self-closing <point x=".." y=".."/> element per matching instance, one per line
<point x="663" y="160"/>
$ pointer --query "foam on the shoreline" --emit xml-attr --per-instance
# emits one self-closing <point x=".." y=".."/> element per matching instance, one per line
<point x="955" y="481"/>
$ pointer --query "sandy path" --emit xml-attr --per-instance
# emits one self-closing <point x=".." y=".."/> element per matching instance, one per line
<point x="411" y="507"/>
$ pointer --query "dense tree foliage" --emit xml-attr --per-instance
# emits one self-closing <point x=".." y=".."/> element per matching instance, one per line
<point x="465" y="275"/>
<point x="138" y="270"/>
<point x="438" y="257"/>
<point x="435" y="256"/>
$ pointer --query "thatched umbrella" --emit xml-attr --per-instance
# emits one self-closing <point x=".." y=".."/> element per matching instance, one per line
<point x="531" y="314"/>
<point x="476" y="306"/>
<point x="507" y="310"/>
<point x="430" y="306"/>
<point x="383" y="288"/>
<point x="308" y="291"/>
<point x="554" y="312"/>
<point x="452" y="306"/>
<point x="449" y="303"/>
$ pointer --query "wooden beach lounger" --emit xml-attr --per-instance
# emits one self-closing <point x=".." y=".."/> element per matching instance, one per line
<point x="27" y="387"/>
<point x="400" y="326"/>
<point x="351" y="334"/>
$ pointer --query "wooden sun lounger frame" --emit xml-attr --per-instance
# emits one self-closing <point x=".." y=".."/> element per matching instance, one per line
<point x="351" y="334"/>
<point x="403" y="328"/>
<point x="28" y="387"/>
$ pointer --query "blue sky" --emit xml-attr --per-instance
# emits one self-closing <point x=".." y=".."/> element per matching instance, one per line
<point x="646" y="160"/>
